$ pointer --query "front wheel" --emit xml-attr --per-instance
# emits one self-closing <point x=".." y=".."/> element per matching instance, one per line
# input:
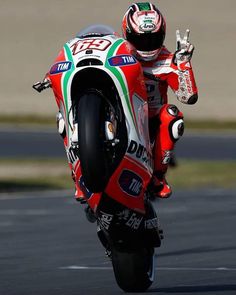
<point x="134" y="270"/>
<point x="93" y="158"/>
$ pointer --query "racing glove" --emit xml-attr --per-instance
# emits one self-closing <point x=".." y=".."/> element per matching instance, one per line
<point x="184" y="51"/>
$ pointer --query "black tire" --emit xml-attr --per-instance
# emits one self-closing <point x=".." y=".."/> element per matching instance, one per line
<point x="134" y="271"/>
<point x="91" y="116"/>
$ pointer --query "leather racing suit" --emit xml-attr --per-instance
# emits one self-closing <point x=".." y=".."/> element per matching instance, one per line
<point x="166" y="121"/>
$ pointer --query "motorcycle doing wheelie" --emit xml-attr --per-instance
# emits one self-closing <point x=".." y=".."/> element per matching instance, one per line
<point x="103" y="119"/>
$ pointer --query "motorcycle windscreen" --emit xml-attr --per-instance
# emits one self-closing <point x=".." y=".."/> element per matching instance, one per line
<point x="96" y="30"/>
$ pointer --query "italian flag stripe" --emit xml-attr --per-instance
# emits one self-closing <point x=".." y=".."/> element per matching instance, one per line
<point x="144" y="6"/>
<point x="118" y="75"/>
<point x="66" y="77"/>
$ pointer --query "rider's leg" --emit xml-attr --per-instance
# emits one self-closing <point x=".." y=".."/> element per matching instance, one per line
<point x="79" y="196"/>
<point x="170" y="130"/>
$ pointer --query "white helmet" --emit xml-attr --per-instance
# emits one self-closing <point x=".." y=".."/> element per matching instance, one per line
<point x="144" y="27"/>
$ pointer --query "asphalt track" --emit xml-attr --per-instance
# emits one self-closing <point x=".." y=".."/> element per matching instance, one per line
<point x="48" y="247"/>
<point x="29" y="143"/>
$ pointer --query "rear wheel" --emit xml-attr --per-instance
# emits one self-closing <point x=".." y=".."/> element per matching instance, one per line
<point x="92" y="152"/>
<point x="134" y="270"/>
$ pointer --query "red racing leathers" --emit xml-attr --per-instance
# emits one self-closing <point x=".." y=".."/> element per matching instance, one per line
<point x="166" y="121"/>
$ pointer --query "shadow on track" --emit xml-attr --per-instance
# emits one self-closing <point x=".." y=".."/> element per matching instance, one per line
<point x="195" y="250"/>
<point x="194" y="289"/>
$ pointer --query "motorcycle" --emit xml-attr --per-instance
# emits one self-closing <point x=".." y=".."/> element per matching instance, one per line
<point x="103" y="118"/>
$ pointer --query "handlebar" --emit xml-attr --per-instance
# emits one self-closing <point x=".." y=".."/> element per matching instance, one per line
<point x="40" y="86"/>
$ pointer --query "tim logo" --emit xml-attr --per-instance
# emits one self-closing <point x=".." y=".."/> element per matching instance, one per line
<point x="60" y="67"/>
<point x="121" y="60"/>
<point x="131" y="183"/>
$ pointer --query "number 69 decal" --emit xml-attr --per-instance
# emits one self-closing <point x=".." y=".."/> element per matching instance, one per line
<point x="96" y="44"/>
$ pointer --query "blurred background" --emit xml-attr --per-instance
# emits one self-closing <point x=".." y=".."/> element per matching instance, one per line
<point x="47" y="246"/>
<point x="32" y="32"/>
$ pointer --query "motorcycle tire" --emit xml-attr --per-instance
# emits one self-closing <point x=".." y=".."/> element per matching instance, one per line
<point x="91" y="137"/>
<point x="134" y="270"/>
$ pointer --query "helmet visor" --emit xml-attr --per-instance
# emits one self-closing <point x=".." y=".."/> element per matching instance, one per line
<point x="146" y="41"/>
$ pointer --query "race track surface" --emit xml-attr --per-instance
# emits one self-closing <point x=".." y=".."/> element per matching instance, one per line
<point x="48" y="247"/>
<point x="31" y="143"/>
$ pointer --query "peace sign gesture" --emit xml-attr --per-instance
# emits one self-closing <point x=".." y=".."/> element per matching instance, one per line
<point x="184" y="49"/>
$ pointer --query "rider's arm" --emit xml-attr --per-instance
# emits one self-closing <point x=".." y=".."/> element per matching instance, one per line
<point x="181" y="79"/>
<point x="182" y="82"/>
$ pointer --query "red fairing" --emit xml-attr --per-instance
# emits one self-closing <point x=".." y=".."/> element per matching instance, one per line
<point x="133" y="74"/>
<point x="128" y="193"/>
<point x="56" y="79"/>
<point x="134" y="200"/>
<point x="93" y="199"/>
<point x="56" y="86"/>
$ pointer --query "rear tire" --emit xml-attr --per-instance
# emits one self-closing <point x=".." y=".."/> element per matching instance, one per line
<point x="134" y="270"/>
<point x="91" y="136"/>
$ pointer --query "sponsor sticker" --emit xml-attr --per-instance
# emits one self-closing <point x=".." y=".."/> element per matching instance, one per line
<point x="131" y="183"/>
<point x="92" y="44"/>
<point x="105" y="220"/>
<point x="134" y="221"/>
<point x="60" y="67"/>
<point x="152" y="223"/>
<point x="147" y="27"/>
<point x="140" y="152"/>
<point x="121" y="60"/>
<point x="123" y="215"/>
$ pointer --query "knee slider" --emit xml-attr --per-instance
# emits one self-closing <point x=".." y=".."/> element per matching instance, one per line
<point x="168" y="111"/>
<point x="176" y="128"/>
<point x="172" y="110"/>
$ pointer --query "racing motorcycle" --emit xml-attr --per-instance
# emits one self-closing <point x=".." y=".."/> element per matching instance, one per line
<point x="103" y="118"/>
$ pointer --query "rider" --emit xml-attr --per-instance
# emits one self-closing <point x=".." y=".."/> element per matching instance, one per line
<point x="144" y="28"/>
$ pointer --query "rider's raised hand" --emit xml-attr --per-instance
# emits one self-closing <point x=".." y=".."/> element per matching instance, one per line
<point x="184" y="49"/>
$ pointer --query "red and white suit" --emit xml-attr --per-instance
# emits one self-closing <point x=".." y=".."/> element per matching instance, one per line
<point x="166" y="121"/>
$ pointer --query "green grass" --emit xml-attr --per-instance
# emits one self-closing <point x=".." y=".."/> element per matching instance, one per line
<point x="54" y="174"/>
<point x="200" y="174"/>
<point x="210" y="125"/>
<point x="50" y="120"/>
<point x="38" y="174"/>
<point x="36" y="184"/>
<point x="27" y="120"/>
<point x="31" y="161"/>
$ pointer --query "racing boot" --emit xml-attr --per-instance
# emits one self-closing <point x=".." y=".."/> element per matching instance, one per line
<point x="159" y="186"/>
<point x="79" y="196"/>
